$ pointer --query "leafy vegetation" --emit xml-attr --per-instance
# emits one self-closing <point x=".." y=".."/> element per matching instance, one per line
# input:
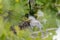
<point x="18" y="9"/>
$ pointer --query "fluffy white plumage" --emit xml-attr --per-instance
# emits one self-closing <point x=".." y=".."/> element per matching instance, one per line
<point x="57" y="36"/>
<point x="34" y="22"/>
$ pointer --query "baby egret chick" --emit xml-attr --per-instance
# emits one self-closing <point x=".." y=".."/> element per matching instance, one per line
<point x="34" y="22"/>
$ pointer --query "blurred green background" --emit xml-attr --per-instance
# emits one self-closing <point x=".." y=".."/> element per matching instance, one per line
<point x="18" y="9"/>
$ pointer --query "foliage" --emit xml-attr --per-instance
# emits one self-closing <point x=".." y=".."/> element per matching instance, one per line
<point x="19" y="9"/>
